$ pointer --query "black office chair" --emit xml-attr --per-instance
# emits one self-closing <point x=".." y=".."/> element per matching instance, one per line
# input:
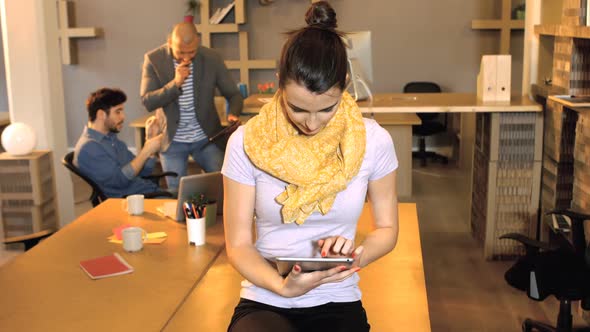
<point x="430" y="123"/>
<point x="560" y="269"/>
<point x="98" y="196"/>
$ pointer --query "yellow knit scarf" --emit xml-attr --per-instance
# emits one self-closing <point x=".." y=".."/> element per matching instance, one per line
<point x="315" y="167"/>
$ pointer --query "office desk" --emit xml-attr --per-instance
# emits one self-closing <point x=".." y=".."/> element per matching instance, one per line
<point x="45" y="289"/>
<point x="466" y="103"/>
<point x="424" y="103"/>
<point x="394" y="290"/>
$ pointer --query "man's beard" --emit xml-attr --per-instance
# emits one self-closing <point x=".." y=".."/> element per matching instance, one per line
<point x="114" y="129"/>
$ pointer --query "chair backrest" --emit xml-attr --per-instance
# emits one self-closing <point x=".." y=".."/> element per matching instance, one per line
<point x="423" y="87"/>
<point x="97" y="195"/>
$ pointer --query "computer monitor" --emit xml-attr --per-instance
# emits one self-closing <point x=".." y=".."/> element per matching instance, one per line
<point x="360" y="63"/>
<point x="359" y="47"/>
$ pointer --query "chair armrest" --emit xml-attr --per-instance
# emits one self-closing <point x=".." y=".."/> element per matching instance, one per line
<point x="531" y="246"/>
<point x="572" y="214"/>
<point x="154" y="194"/>
<point x="577" y="240"/>
<point x="159" y="175"/>
<point x="159" y="194"/>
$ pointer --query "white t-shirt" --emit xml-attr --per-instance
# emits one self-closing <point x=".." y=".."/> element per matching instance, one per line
<point x="275" y="239"/>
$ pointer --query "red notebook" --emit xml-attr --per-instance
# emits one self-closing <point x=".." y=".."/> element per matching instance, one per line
<point x="106" y="266"/>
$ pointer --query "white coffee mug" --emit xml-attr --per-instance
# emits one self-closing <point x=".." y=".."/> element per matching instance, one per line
<point x="133" y="238"/>
<point x="195" y="229"/>
<point x="133" y="204"/>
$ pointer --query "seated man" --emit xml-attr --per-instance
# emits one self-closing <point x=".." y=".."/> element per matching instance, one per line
<point x="104" y="158"/>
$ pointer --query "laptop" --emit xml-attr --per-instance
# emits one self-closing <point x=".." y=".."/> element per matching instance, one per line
<point x="210" y="184"/>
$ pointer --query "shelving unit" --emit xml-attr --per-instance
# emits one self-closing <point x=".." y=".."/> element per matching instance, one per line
<point x="244" y="64"/>
<point x="559" y="30"/>
<point x="27" y="194"/>
<point x="565" y="180"/>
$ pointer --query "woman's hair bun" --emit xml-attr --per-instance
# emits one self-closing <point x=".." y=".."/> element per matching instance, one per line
<point x="321" y="15"/>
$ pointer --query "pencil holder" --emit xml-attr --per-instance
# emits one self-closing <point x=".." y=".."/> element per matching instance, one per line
<point x="195" y="229"/>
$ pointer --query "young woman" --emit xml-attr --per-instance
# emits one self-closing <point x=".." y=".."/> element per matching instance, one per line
<point x="303" y="167"/>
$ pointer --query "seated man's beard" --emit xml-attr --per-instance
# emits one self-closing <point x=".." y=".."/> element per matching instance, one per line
<point x="114" y="130"/>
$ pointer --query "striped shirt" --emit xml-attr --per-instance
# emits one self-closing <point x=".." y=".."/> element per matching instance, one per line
<point x="189" y="130"/>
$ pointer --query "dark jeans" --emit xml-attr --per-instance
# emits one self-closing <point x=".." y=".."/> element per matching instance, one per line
<point x="250" y="316"/>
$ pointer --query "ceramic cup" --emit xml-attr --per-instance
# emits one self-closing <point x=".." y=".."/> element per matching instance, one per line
<point x="133" y="238"/>
<point x="133" y="204"/>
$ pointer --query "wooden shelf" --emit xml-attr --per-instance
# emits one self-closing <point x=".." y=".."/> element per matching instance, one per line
<point x="219" y="28"/>
<point x="547" y="90"/>
<point x="496" y="24"/>
<point x="560" y="30"/>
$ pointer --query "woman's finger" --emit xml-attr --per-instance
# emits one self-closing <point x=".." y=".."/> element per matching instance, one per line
<point x="338" y="244"/>
<point x="327" y="246"/>
<point x="347" y="248"/>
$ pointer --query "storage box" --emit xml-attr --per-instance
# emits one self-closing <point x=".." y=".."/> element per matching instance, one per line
<point x="506" y="180"/>
<point x="22" y="217"/>
<point x="27" y="194"/>
<point x="27" y="177"/>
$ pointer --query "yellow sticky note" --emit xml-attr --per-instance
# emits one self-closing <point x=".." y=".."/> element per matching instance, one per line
<point x="154" y="241"/>
<point x="156" y="235"/>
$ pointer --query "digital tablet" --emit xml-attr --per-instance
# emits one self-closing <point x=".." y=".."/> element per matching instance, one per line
<point x="310" y="264"/>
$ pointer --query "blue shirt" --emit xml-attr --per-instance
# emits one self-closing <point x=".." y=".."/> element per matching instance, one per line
<point x="106" y="160"/>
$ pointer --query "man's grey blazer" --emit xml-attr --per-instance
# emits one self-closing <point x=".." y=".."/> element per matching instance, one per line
<point x="158" y="89"/>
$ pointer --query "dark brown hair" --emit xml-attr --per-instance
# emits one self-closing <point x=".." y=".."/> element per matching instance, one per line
<point x="315" y="56"/>
<point x="104" y="99"/>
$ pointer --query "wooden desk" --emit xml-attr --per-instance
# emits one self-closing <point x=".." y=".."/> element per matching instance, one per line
<point x="425" y="103"/>
<point x="436" y="103"/>
<point x="399" y="126"/>
<point x="394" y="290"/>
<point x="45" y="289"/>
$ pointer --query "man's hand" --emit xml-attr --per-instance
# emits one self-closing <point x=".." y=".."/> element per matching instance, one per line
<point x="182" y="72"/>
<point x="152" y="145"/>
<point x="232" y="118"/>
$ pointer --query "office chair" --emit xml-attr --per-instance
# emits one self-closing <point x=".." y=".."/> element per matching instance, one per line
<point x="98" y="196"/>
<point x="430" y="123"/>
<point x="560" y="269"/>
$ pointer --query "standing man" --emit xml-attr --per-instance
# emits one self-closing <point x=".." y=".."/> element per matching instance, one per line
<point x="180" y="77"/>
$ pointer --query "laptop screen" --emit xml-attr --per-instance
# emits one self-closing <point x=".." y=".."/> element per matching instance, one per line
<point x="209" y="184"/>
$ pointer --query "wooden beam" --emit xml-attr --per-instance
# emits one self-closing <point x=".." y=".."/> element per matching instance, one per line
<point x="505" y="24"/>
<point x="66" y="33"/>
<point x="245" y="64"/>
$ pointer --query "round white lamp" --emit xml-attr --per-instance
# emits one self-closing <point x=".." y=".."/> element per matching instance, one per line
<point x="19" y="139"/>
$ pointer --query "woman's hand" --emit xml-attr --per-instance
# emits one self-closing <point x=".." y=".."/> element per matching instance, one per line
<point x="338" y="246"/>
<point x="298" y="283"/>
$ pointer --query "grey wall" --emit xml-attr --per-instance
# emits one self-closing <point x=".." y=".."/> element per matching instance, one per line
<point x="412" y="40"/>
<point x="3" y="94"/>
